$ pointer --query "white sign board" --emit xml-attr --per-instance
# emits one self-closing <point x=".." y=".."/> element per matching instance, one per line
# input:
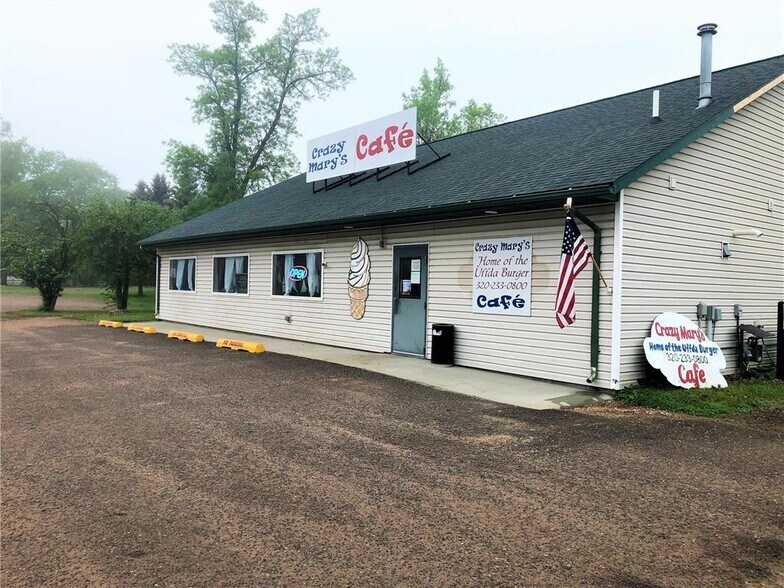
<point x="378" y="143"/>
<point x="683" y="353"/>
<point x="502" y="276"/>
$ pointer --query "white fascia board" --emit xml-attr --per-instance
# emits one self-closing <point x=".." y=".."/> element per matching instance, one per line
<point x="617" y="296"/>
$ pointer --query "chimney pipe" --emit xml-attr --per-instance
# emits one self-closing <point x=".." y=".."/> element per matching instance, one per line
<point x="706" y="31"/>
<point x="655" y="112"/>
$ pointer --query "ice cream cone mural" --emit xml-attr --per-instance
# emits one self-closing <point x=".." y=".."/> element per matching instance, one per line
<point x="359" y="278"/>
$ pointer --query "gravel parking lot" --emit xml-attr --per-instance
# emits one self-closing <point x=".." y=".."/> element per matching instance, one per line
<point x="134" y="460"/>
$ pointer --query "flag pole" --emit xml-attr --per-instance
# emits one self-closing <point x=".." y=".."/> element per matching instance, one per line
<point x="568" y="208"/>
<point x="601" y="275"/>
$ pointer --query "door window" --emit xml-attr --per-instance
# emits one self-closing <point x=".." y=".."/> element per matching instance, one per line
<point x="410" y="277"/>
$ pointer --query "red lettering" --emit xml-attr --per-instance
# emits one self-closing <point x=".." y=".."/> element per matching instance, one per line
<point x="664" y="331"/>
<point x="406" y="138"/>
<point x="362" y="142"/>
<point x="695" y="375"/>
<point x="375" y="147"/>
<point x="389" y="138"/>
<point x="692" y="334"/>
<point x="392" y="137"/>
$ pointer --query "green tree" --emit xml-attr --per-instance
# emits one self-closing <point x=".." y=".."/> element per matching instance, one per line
<point x="474" y="116"/>
<point x="160" y="189"/>
<point x="38" y="261"/>
<point x="249" y="95"/>
<point x="17" y="156"/>
<point x="432" y="99"/>
<point x="43" y="197"/>
<point x="436" y="118"/>
<point x="108" y="241"/>
<point x="185" y="191"/>
<point x="142" y="191"/>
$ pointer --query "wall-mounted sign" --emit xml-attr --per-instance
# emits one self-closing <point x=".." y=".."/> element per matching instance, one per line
<point x="359" y="278"/>
<point x="502" y="276"/>
<point x="683" y="353"/>
<point x="378" y="143"/>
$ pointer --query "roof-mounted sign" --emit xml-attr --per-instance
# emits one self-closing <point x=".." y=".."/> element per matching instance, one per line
<point x="684" y="354"/>
<point x="378" y="143"/>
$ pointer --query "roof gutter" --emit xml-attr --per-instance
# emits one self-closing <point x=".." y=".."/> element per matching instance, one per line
<point x="515" y="203"/>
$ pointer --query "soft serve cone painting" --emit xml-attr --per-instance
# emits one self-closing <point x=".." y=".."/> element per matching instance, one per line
<point x="359" y="278"/>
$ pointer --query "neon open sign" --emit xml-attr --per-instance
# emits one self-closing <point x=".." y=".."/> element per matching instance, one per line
<point x="298" y="273"/>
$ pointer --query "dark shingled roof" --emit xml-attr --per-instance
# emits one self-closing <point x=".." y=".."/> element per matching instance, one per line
<point x="592" y="150"/>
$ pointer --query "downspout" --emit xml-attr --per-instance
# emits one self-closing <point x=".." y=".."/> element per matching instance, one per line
<point x="597" y="255"/>
<point x="157" y="278"/>
<point x="157" y="284"/>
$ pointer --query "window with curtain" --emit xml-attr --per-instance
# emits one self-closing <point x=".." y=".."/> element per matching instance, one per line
<point x="182" y="274"/>
<point x="297" y="274"/>
<point x="230" y="274"/>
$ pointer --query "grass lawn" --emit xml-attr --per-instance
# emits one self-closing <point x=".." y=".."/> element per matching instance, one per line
<point x="140" y="308"/>
<point x="94" y="293"/>
<point x="740" y="397"/>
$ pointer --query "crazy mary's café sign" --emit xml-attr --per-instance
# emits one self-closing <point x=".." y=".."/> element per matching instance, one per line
<point x="683" y="353"/>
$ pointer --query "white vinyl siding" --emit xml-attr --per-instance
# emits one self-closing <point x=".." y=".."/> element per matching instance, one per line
<point x="325" y="321"/>
<point x="672" y="238"/>
<point x="532" y="346"/>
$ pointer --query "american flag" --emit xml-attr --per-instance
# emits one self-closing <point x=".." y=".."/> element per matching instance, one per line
<point x="574" y="257"/>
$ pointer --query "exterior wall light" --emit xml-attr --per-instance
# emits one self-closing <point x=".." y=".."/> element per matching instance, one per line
<point x="756" y="233"/>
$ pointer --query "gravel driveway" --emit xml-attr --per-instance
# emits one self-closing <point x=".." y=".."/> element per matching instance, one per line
<point x="135" y="460"/>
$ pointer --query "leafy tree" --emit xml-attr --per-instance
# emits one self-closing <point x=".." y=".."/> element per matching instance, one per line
<point x="185" y="191"/>
<point x="108" y="241"/>
<point x="432" y="98"/>
<point x="190" y="168"/>
<point x="38" y="261"/>
<point x="474" y="116"/>
<point x="249" y="95"/>
<point x="16" y="158"/>
<point x="436" y="118"/>
<point x="43" y="197"/>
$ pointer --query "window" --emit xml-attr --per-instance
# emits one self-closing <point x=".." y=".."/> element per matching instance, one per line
<point x="182" y="274"/>
<point x="410" y="283"/>
<point x="230" y="274"/>
<point x="297" y="274"/>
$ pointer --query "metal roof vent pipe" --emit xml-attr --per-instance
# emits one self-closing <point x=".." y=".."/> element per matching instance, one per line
<point x="655" y="112"/>
<point x="706" y="31"/>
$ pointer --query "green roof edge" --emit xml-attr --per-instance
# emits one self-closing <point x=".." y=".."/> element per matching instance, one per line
<point x="668" y="152"/>
<point x="594" y="194"/>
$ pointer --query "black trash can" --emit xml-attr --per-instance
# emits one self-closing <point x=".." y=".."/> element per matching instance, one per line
<point x="443" y="349"/>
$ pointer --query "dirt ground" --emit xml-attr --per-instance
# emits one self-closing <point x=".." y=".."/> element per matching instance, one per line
<point x="135" y="460"/>
<point x="10" y="302"/>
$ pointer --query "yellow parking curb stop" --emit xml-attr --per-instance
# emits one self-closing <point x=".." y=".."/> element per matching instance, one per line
<point x="183" y="336"/>
<point x="240" y="345"/>
<point x="142" y="329"/>
<point x="113" y="324"/>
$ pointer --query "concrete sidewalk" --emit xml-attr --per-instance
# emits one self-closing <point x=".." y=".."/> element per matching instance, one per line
<point x="494" y="386"/>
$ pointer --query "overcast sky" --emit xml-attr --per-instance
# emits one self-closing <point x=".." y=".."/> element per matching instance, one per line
<point x="92" y="78"/>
